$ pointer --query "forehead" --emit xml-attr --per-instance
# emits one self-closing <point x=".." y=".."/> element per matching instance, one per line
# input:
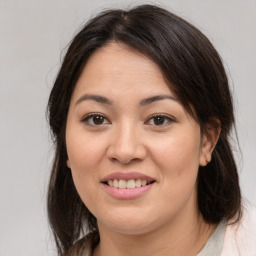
<point x="117" y="67"/>
<point x="123" y="54"/>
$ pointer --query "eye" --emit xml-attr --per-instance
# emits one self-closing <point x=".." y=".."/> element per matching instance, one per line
<point x="95" y="119"/>
<point x="159" y="120"/>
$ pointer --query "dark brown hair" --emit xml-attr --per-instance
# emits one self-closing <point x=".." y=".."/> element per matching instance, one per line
<point x="195" y="74"/>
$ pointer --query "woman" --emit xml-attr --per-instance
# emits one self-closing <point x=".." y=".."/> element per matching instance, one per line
<point x="141" y="113"/>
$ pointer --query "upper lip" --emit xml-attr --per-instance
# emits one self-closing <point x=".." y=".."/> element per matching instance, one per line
<point x="127" y="176"/>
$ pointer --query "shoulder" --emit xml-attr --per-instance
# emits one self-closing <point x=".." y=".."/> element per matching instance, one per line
<point x="240" y="238"/>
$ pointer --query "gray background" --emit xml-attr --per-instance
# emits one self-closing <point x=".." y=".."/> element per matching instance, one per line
<point x="32" y="37"/>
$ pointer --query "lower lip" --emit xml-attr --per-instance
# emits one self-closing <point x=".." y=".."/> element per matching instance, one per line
<point x="127" y="193"/>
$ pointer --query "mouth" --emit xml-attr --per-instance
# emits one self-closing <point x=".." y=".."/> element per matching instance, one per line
<point x="128" y="184"/>
<point x="127" y="180"/>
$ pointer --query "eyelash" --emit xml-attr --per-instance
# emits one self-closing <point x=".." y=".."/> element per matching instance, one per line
<point x="89" y="117"/>
<point x="167" y="119"/>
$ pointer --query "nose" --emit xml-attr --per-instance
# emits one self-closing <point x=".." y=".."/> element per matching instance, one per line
<point x="126" y="145"/>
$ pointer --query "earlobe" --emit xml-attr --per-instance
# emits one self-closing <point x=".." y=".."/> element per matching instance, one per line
<point x="68" y="163"/>
<point x="206" y="151"/>
<point x="209" y="140"/>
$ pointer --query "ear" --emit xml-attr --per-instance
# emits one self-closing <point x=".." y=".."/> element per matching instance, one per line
<point x="68" y="163"/>
<point x="209" y="139"/>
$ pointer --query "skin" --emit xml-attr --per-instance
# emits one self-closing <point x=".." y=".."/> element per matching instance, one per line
<point x="129" y="139"/>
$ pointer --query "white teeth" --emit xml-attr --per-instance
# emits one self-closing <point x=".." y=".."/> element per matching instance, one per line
<point x="115" y="183"/>
<point x="122" y="183"/>
<point x="110" y="183"/>
<point x="138" y="183"/>
<point x="143" y="183"/>
<point x="127" y="184"/>
<point x="130" y="184"/>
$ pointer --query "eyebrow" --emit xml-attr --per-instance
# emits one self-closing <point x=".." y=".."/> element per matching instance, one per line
<point x="104" y="100"/>
<point x="97" y="98"/>
<point x="150" y="100"/>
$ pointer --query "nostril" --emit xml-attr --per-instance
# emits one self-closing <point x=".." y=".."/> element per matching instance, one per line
<point x="126" y="152"/>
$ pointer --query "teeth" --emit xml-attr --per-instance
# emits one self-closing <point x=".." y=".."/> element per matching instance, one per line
<point x="110" y="183"/>
<point x="143" y="183"/>
<point x="130" y="184"/>
<point x="115" y="183"/>
<point x="127" y="184"/>
<point x="138" y="183"/>
<point x="122" y="184"/>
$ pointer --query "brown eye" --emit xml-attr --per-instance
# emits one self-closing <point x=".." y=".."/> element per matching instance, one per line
<point x="95" y="119"/>
<point x="98" y="120"/>
<point x="159" y="120"/>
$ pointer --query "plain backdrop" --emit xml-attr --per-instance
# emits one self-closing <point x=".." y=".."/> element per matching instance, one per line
<point x="33" y="37"/>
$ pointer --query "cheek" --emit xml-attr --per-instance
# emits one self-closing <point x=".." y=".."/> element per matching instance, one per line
<point x="84" y="152"/>
<point x="178" y="154"/>
<point x="84" y="156"/>
<point x="177" y="160"/>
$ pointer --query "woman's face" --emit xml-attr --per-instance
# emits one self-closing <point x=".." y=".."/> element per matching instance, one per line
<point x="133" y="150"/>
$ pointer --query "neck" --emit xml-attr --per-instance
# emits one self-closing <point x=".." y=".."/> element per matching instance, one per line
<point x="182" y="236"/>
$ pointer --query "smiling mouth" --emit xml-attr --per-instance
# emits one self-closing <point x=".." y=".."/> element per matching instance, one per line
<point x="128" y="184"/>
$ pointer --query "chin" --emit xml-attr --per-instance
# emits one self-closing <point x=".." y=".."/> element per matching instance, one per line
<point x="129" y="224"/>
<point x="129" y="228"/>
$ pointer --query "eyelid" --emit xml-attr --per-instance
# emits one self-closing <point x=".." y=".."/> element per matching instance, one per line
<point x="167" y="117"/>
<point x="91" y="115"/>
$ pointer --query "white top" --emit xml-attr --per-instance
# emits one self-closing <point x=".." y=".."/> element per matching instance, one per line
<point x="237" y="239"/>
<point x="240" y="238"/>
<point x="214" y="245"/>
